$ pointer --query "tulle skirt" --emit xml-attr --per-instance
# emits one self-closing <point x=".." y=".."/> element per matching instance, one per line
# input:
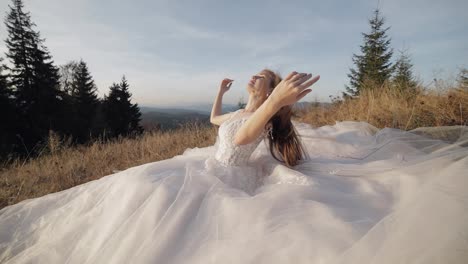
<point x="363" y="196"/>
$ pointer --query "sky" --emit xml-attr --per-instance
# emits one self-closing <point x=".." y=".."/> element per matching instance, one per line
<point x="175" y="53"/>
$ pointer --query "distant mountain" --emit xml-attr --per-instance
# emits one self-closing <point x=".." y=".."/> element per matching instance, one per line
<point x="156" y="120"/>
<point x="198" y="108"/>
<point x="206" y="108"/>
<point x="166" y="118"/>
<point x="160" y="118"/>
<point x="306" y="105"/>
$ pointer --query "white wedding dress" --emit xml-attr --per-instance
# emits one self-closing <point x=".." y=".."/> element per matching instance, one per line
<point x="363" y="196"/>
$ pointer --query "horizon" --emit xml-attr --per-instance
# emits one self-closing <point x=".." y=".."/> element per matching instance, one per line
<point x="208" y="41"/>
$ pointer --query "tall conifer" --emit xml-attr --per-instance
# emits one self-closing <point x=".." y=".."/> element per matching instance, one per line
<point x="34" y="78"/>
<point x="403" y="79"/>
<point x="373" y="67"/>
<point x="85" y="102"/>
<point x="122" y="116"/>
<point x="134" y="114"/>
<point x="7" y="116"/>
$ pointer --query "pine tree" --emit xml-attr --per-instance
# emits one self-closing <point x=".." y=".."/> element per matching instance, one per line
<point x="373" y="67"/>
<point x="123" y="117"/>
<point x="112" y="109"/>
<point x="5" y="91"/>
<point x="100" y="125"/>
<point x="7" y="116"/>
<point x="66" y="73"/>
<point x="403" y="79"/>
<point x="34" y="78"/>
<point x="131" y="111"/>
<point x="85" y="101"/>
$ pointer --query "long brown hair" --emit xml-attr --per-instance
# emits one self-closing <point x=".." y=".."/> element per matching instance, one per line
<point x="285" y="145"/>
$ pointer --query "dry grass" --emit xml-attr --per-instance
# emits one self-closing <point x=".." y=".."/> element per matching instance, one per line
<point x="63" y="167"/>
<point x="390" y="108"/>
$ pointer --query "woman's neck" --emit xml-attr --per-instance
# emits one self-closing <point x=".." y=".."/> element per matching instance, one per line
<point x="252" y="104"/>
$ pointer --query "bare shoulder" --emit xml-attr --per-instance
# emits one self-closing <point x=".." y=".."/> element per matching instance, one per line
<point x="218" y="120"/>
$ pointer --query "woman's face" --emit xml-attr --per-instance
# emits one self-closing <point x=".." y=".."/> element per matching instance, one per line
<point x="259" y="85"/>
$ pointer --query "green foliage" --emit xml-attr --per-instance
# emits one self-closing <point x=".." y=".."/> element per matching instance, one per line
<point x="85" y="101"/>
<point x="373" y="67"/>
<point x="403" y="79"/>
<point x="7" y="115"/>
<point x="34" y="79"/>
<point x="37" y="98"/>
<point x="123" y="117"/>
<point x="5" y="90"/>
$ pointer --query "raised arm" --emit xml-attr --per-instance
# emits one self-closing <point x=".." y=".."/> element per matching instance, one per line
<point x="290" y="90"/>
<point x="216" y="117"/>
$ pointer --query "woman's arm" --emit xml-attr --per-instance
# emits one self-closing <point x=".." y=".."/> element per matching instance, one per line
<point x="216" y="117"/>
<point x="290" y="90"/>
<point x="255" y="124"/>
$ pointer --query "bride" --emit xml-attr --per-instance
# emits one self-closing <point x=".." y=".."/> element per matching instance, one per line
<point x="363" y="195"/>
<point x="269" y="104"/>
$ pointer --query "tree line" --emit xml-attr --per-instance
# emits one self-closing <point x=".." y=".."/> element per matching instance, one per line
<point x="373" y="68"/>
<point x="37" y="97"/>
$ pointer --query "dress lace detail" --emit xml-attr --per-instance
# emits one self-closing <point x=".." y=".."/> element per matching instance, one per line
<point x="228" y="153"/>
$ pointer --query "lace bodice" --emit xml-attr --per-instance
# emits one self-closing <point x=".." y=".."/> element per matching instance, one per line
<point x="227" y="152"/>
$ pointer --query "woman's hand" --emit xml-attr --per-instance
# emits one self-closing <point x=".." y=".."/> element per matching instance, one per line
<point x="288" y="91"/>
<point x="225" y="85"/>
<point x="216" y="117"/>
<point x="292" y="89"/>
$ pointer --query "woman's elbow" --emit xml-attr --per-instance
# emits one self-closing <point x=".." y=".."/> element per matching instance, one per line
<point x="214" y="121"/>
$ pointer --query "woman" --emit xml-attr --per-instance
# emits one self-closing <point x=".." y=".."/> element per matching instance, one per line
<point x="269" y="108"/>
<point x="266" y="115"/>
<point x="365" y="196"/>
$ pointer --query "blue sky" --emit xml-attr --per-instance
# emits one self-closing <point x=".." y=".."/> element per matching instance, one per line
<point x="177" y="52"/>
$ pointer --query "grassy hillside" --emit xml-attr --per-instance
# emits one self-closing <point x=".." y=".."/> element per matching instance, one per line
<point x="62" y="167"/>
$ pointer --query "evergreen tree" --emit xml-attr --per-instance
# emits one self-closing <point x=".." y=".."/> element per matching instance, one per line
<point x="85" y="101"/>
<point x="403" y="79"/>
<point x="112" y="109"/>
<point x="7" y="116"/>
<point x="100" y="124"/>
<point x="373" y="67"/>
<point x="66" y="73"/>
<point x="122" y="116"/>
<point x="34" y="78"/>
